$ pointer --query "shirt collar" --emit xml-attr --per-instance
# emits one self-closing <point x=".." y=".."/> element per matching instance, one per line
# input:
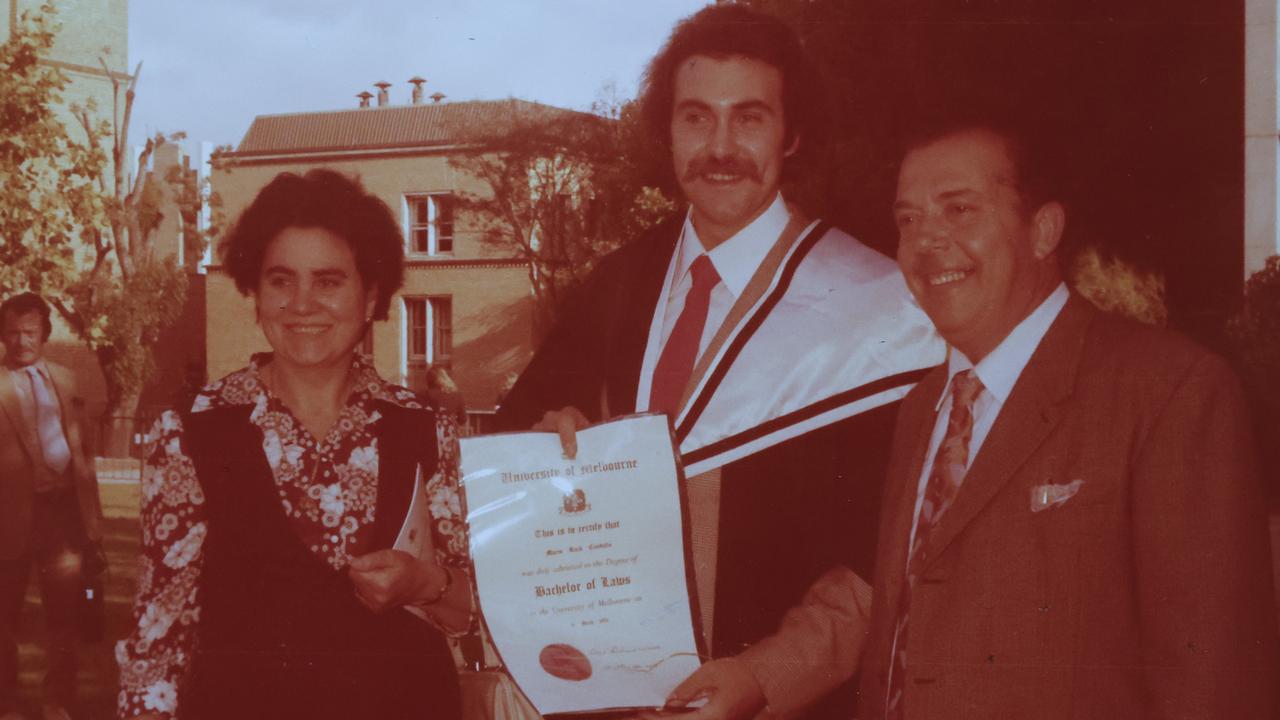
<point x="245" y="387"/>
<point x="38" y="365"/>
<point x="1002" y="367"/>
<point x="737" y="258"/>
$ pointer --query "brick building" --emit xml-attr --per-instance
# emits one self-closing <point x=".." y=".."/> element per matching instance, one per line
<point x="465" y="304"/>
<point x="92" y="32"/>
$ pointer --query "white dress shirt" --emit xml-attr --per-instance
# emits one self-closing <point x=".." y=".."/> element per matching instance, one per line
<point x="999" y="372"/>
<point x="22" y="388"/>
<point x="735" y="261"/>
<point x="56" y="452"/>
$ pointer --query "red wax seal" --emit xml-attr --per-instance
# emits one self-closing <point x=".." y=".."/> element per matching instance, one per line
<point x="565" y="662"/>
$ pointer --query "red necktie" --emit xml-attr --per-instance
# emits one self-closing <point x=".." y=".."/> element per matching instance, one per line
<point x="939" y="492"/>
<point x="675" y="364"/>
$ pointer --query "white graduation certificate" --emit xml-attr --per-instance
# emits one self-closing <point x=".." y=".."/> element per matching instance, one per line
<point x="580" y="564"/>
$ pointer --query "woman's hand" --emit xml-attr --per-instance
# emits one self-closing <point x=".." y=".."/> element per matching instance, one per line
<point x="387" y="579"/>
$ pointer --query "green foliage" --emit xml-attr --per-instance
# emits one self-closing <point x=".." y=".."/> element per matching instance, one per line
<point x="1256" y="329"/>
<point x="74" y="228"/>
<point x="1255" y="332"/>
<point x="190" y="195"/>
<point x="1117" y="287"/>
<point x="124" y="319"/>
<point x="43" y="173"/>
<point x="559" y="192"/>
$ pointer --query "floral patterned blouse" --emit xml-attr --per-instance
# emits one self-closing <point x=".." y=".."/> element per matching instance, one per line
<point x="328" y="489"/>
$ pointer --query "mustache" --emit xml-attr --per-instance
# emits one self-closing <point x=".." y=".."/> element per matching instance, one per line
<point x="732" y="165"/>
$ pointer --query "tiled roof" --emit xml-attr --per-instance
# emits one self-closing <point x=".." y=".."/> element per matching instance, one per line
<point x="391" y="126"/>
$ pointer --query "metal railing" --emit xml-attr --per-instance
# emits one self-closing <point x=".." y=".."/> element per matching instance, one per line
<point x="478" y="422"/>
<point x="120" y="436"/>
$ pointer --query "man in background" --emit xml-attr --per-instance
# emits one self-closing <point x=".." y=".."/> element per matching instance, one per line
<point x="50" y="513"/>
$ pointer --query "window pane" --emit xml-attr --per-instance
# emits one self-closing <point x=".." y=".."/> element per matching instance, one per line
<point x="444" y="223"/>
<point x="420" y="240"/>
<point x="419" y="205"/>
<point x="416" y="311"/>
<point x="442" y="330"/>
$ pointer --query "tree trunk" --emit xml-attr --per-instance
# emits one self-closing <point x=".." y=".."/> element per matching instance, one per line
<point x="546" y="304"/>
<point x="121" y="431"/>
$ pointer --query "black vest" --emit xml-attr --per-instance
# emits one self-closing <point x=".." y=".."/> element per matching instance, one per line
<point x="281" y="633"/>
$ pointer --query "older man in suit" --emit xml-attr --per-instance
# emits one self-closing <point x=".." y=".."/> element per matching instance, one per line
<point x="1073" y="524"/>
<point x="49" y="505"/>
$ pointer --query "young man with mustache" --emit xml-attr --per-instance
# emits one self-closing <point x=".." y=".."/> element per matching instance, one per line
<point x="779" y="347"/>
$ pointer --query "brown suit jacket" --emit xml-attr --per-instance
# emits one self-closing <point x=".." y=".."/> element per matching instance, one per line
<point x="1146" y="594"/>
<point x="20" y="453"/>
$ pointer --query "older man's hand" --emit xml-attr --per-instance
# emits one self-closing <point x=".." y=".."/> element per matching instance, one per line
<point x="728" y="687"/>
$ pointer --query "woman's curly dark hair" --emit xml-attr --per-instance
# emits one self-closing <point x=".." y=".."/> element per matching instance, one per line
<point x="320" y="199"/>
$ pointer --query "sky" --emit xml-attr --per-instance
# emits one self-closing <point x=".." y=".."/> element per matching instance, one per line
<point x="208" y="68"/>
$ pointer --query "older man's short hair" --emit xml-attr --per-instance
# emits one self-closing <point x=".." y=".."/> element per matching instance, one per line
<point x="23" y="303"/>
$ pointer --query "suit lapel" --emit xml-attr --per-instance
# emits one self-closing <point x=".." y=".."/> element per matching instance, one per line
<point x="1032" y="411"/>
<point x="13" y="408"/>
<point x="637" y="298"/>
<point x="901" y="493"/>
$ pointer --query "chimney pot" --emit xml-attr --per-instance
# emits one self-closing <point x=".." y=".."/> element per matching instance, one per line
<point x="364" y="98"/>
<point x="437" y="97"/>
<point x="383" y="96"/>
<point x="417" y="83"/>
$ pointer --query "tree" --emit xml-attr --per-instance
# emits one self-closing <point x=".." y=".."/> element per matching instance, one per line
<point x="189" y="195"/>
<point x="85" y="238"/>
<point x="41" y="168"/>
<point x="1255" y="331"/>
<point x="558" y="193"/>
<point x="1117" y="287"/>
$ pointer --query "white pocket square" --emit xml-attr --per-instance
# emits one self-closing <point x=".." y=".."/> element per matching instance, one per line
<point x="1049" y="495"/>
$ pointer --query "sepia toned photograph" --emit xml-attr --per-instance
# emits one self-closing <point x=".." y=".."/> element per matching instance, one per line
<point x="711" y="359"/>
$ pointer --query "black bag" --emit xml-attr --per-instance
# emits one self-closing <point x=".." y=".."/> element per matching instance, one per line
<point x="92" y="607"/>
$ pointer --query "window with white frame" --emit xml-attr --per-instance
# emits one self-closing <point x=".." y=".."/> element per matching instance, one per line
<point x="429" y="223"/>
<point x="427" y="331"/>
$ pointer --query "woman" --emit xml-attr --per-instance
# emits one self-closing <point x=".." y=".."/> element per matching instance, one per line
<point x="267" y="586"/>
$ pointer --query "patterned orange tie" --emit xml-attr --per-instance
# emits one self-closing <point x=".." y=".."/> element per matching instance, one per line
<point x="939" y="492"/>
<point x="675" y="364"/>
